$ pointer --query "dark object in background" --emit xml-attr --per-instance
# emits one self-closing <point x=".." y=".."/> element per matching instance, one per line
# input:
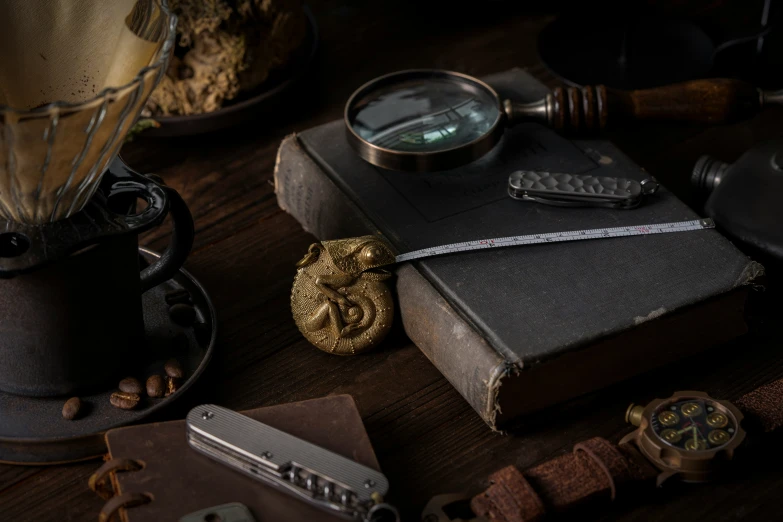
<point x="633" y="54"/>
<point x="744" y="198"/>
<point x="641" y="44"/>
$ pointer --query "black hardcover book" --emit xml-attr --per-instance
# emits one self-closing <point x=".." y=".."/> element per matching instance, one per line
<point x="517" y="329"/>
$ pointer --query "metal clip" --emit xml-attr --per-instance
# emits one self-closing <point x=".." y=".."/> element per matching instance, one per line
<point x="451" y="507"/>
<point x="319" y="477"/>
<point x="579" y="190"/>
<point x="233" y="512"/>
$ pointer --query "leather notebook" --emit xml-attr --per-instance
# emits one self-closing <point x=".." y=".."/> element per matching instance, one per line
<point x="517" y="329"/>
<point x="174" y="480"/>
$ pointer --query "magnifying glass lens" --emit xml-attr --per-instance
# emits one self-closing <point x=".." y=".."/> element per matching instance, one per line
<point x="424" y="114"/>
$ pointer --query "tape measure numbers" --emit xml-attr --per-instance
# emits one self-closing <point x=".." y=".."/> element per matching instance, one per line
<point x="556" y="237"/>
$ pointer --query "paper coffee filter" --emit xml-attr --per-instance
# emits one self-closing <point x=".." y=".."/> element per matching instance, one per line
<point x="70" y="89"/>
<point x="66" y="50"/>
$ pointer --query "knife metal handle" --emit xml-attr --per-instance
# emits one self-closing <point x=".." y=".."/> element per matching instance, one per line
<point x="318" y="476"/>
<point x="579" y="189"/>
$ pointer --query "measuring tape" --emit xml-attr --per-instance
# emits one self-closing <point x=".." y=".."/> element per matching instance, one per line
<point x="555" y="237"/>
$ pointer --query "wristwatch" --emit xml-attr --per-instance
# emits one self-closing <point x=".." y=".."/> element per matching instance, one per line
<point x="689" y="436"/>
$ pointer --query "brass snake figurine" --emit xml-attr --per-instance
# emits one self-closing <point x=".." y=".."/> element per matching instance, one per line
<point x="339" y="300"/>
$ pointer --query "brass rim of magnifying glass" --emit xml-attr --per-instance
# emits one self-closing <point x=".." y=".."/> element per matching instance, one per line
<point x="424" y="161"/>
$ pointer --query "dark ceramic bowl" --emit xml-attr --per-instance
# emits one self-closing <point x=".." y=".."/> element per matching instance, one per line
<point x="266" y="98"/>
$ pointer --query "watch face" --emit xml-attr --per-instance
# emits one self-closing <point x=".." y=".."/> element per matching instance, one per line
<point x="694" y="424"/>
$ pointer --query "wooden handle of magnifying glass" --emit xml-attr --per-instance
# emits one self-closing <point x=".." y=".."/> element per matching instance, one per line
<point x="593" y="108"/>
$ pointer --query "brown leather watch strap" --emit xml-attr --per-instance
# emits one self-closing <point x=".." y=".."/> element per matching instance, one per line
<point x="510" y="497"/>
<point x="764" y="405"/>
<point x="595" y="470"/>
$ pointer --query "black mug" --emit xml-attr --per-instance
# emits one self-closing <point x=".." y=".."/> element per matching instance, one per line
<point x="70" y="303"/>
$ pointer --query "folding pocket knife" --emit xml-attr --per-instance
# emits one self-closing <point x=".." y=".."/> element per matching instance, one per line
<point x="579" y="190"/>
<point x="318" y="476"/>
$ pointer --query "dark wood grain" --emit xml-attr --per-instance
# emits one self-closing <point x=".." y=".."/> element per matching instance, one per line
<point x="712" y="101"/>
<point x="427" y="438"/>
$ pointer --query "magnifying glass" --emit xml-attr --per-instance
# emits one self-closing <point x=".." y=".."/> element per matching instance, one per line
<point x="426" y="120"/>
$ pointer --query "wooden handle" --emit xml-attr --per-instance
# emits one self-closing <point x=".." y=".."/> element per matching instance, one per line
<point x="593" y="108"/>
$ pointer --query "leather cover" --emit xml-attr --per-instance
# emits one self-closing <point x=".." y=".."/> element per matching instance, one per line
<point x="517" y="329"/>
<point x="182" y="481"/>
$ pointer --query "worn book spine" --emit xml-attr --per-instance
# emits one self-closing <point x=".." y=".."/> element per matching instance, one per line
<point x="471" y="365"/>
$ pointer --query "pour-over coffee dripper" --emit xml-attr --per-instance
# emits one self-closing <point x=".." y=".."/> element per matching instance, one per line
<point x="73" y="79"/>
<point x="77" y="312"/>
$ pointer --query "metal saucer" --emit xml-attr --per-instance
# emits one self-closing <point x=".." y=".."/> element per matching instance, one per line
<point x="32" y="429"/>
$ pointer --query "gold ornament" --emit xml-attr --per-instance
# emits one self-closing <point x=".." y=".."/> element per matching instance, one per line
<point x="717" y="420"/>
<point x="339" y="300"/>
<point x="719" y="437"/>
<point x="668" y="418"/>
<point x="671" y="436"/>
<point x="691" y="409"/>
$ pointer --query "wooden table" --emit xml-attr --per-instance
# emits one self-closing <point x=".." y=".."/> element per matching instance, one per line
<point x="427" y="438"/>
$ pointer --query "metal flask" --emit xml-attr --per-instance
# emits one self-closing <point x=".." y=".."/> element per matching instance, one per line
<point x="744" y="198"/>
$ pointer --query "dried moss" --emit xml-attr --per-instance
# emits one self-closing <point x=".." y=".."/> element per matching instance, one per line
<point x="225" y="47"/>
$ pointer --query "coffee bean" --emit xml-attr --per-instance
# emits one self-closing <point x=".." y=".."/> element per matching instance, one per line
<point x="124" y="401"/>
<point x="156" y="387"/>
<point x="172" y="385"/>
<point x="174" y="369"/>
<point x="182" y="314"/>
<point x="130" y="385"/>
<point x="72" y="408"/>
<point x="177" y="296"/>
